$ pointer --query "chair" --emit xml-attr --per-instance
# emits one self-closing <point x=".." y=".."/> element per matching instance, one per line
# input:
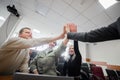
<point x="92" y="65"/>
<point x="60" y="69"/>
<point x="60" y="65"/>
<point x="86" y="70"/>
<point x="112" y="75"/>
<point x="98" y="72"/>
<point x="118" y="72"/>
<point x="85" y="64"/>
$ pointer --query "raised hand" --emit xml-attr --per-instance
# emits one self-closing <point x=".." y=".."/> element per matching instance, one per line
<point x="70" y="27"/>
<point x="73" y="27"/>
<point x="66" y="28"/>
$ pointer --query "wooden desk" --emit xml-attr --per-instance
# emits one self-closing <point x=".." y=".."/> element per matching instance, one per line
<point x="10" y="77"/>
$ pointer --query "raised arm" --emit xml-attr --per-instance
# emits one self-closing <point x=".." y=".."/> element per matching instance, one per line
<point x="76" y="48"/>
<point x="77" y="52"/>
<point x="102" y="34"/>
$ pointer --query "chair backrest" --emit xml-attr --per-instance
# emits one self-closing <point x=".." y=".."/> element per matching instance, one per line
<point x="85" y="64"/>
<point x="97" y="71"/>
<point x="25" y="76"/>
<point x="112" y="75"/>
<point x="118" y="72"/>
<point x="86" y="70"/>
<point x="60" y="65"/>
<point x="92" y="64"/>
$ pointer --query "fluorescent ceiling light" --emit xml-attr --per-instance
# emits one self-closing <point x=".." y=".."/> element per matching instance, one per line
<point x="36" y="31"/>
<point x="42" y="9"/>
<point x="107" y="3"/>
<point x="2" y="18"/>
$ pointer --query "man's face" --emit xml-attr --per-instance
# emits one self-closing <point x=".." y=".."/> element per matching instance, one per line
<point x="27" y="34"/>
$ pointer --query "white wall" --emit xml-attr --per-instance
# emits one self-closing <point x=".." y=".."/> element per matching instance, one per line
<point x="108" y="51"/>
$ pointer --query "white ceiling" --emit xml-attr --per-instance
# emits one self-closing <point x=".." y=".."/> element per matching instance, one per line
<point x="49" y="16"/>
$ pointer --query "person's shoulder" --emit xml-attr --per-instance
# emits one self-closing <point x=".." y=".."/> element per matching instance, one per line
<point x="40" y="53"/>
<point x="13" y="38"/>
<point x="62" y="45"/>
<point x="16" y="38"/>
<point x="10" y="40"/>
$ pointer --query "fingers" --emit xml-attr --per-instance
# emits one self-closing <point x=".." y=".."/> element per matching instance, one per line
<point x="70" y="27"/>
<point x="73" y="27"/>
<point x="67" y="28"/>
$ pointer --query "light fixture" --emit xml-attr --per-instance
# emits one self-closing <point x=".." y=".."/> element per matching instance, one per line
<point x="36" y="31"/>
<point x="43" y="7"/>
<point x="2" y="18"/>
<point x="107" y="3"/>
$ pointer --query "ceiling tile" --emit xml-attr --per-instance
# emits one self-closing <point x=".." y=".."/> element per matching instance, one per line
<point x="79" y="20"/>
<point x="82" y="5"/>
<point x="101" y="19"/>
<point x="48" y="3"/>
<point x="87" y="26"/>
<point x="59" y="6"/>
<point x="56" y="18"/>
<point x="114" y="11"/>
<point x="43" y="6"/>
<point x="68" y="1"/>
<point x="29" y="4"/>
<point x="93" y="11"/>
<point x="70" y="13"/>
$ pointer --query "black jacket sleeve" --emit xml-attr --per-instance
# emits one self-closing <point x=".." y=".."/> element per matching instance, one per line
<point x="76" y="48"/>
<point x="77" y="52"/>
<point x="111" y="32"/>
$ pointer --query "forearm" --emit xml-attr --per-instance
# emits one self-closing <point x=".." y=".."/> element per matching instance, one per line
<point x="65" y="41"/>
<point x="61" y="36"/>
<point x="76" y="48"/>
<point x="60" y="50"/>
<point x="78" y="57"/>
<point x="21" y="43"/>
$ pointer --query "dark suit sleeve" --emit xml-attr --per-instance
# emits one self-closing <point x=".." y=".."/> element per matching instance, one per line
<point x="102" y="34"/>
